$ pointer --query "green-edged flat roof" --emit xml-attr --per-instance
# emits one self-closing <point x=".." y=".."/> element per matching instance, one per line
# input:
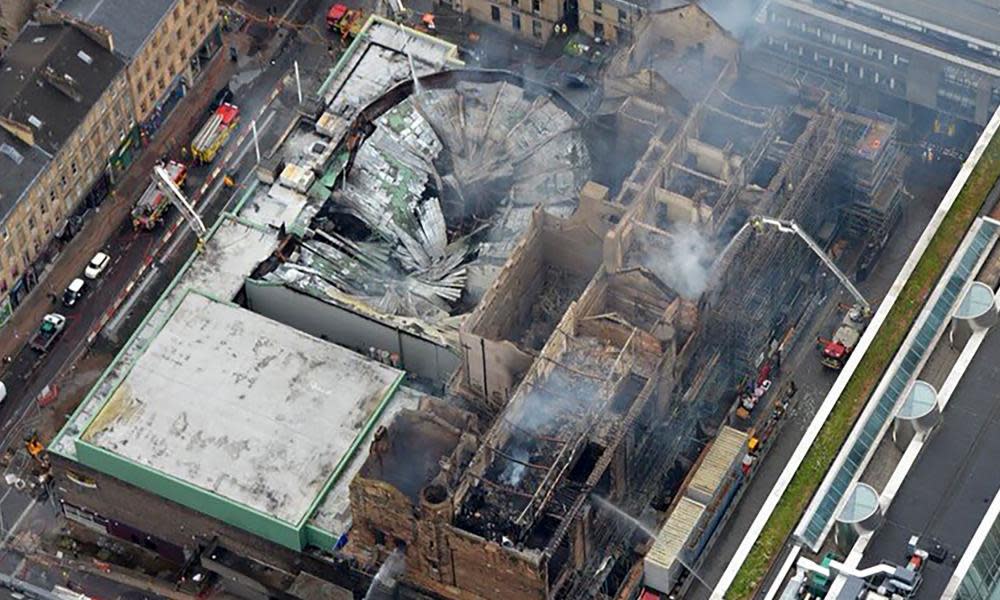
<point x="239" y="417"/>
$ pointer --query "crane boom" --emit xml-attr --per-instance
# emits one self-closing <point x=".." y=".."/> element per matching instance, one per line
<point x="758" y="222"/>
<point x="173" y="193"/>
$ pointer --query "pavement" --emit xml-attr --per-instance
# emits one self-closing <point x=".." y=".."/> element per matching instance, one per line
<point x="20" y="561"/>
<point x="108" y="229"/>
<point x="257" y="81"/>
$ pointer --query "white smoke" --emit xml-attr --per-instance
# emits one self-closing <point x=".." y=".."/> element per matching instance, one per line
<point x="735" y="16"/>
<point x="384" y="584"/>
<point x="685" y="262"/>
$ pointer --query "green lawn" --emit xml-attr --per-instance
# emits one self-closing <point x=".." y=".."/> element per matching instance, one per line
<point x="868" y="373"/>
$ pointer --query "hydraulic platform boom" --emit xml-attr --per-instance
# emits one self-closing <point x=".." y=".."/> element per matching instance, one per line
<point x="758" y="222"/>
<point x="173" y="193"/>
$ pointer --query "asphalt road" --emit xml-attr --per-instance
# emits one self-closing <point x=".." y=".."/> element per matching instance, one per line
<point x="129" y="249"/>
<point x="261" y="91"/>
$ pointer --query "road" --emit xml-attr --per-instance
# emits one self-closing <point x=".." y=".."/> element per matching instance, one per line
<point x="28" y="373"/>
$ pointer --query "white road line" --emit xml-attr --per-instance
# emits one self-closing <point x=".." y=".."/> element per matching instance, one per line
<point x="284" y="17"/>
<point x="17" y="523"/>
<point x="819" y="419"/>
<point x="124" y="308"/>
<point x="260" y="130"/>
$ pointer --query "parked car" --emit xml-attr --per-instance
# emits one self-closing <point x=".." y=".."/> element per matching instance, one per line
<point x="74" y="291"/>
<point x="97" y="265"/>
<point x="3" y="392"/>
<point x="222" y="97"/>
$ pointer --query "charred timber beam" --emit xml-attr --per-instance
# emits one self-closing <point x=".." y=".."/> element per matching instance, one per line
<point x="573" y="370"/>
<point x="501" y="487"/>
<point x="510" y="458"/>
<point x="537" y="436"/>
<point x="566" y="459"/>
<point x="603" y="462"/>
<point x="747" y="122"/>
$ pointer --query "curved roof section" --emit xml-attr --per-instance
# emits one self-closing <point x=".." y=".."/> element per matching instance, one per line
<point x="920" y="401"/>
<point x="861" y="504"/>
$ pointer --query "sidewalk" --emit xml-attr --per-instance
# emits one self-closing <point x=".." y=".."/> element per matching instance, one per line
<point x="115" y="574"/>
<point x="101" y="227"/>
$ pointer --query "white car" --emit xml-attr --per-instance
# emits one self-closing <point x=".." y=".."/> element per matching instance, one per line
<point x="97" y="265"/>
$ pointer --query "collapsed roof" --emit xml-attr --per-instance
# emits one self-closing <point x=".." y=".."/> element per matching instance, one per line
<point x="436" y="198"/>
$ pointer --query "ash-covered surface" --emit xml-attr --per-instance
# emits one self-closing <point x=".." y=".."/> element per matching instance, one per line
<point x="546" y="416"/>
<point x="241" y="406"/>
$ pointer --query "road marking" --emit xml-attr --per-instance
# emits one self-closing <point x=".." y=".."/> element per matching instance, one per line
<point x="284" y="17"/>
<point x="17" y="523"/>
<point x="263" y="127"/>
<point x="115" y="321"/>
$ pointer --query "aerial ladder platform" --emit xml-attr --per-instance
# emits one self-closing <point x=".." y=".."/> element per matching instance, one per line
<point x="835" y="351"/>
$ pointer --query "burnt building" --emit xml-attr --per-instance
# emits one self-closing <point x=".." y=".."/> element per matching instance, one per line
<point x="442" y="346"/>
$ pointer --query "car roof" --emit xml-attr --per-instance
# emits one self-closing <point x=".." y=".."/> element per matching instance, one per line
<point x="99" y="257"/>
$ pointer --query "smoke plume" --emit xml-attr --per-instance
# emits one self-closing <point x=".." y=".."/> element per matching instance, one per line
<point x="685" y="263"/>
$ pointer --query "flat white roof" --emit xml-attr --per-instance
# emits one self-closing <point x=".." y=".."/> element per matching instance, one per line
<point x="240" y="405"/>
<point x="333" y="514"/>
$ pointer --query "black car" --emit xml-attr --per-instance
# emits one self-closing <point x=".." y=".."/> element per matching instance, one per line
<point x="224" y="95"/>
<point x="74" y="291"/>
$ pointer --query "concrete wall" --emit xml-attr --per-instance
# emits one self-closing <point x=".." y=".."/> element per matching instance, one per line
<point x="681" y="209"/>
<point x="680" y="30"/>
<point x="420" y="356"/>
<point x="492" y="363"/>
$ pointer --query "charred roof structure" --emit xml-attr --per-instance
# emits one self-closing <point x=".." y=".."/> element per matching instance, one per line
<point x="574" y="340"/>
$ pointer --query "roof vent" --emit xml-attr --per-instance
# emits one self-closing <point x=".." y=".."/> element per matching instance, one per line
<point x="85" y="57"/>
<point x="12" y="153"/>
<point x="35" y="121"/>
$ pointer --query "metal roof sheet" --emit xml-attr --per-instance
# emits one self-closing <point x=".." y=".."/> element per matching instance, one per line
<point x="727" y="448"/>
<point x="676" y="532"/>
